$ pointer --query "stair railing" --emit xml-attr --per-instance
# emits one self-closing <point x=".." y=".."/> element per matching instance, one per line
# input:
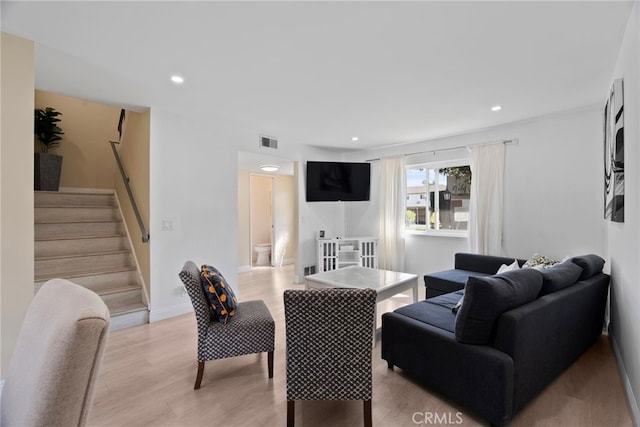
<point x="125" y="179"/>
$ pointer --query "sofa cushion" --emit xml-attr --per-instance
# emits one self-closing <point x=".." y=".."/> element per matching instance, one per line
<point x="450" y="280"/>
<point x="488" y="264"/>
<point x="590" y="264"/>
<point x="486" y="298"/>
<point x="559" y="277"/>
<point x="434" y="311"/>
<point x="222" y="300"/>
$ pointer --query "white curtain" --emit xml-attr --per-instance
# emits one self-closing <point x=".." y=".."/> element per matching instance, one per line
<point x="487" y="182"/>
<point x="393" y="178"/>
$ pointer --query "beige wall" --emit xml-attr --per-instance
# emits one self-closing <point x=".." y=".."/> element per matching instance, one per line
<point x="284" y="220"/>
<point x="88" y="127"/>
<point x="261" y="221"/>
<point x="16" y="188"/>
<point x="244" y="219"/>
<point x="134" y="153"/>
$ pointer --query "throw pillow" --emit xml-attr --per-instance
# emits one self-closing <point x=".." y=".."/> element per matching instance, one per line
<point x="590" y="264"/>
<point x="539" y="262"/>
<point x="513" y="266"/>
<point x="222" y="300"/>
<point x="559" y="277"/>
<point x="486" y="298"/>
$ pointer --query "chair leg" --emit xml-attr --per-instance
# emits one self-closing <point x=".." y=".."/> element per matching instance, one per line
<point x="270" y="363"/>
<point x="367" y="413"/>
<point x="199" y="377"/>
<point x="291" y="413"/>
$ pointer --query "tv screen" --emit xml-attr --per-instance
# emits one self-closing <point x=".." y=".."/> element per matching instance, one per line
<point x="338" y="181"/>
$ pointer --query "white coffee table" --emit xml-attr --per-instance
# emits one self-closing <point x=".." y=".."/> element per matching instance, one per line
<point x="386" y="283"/>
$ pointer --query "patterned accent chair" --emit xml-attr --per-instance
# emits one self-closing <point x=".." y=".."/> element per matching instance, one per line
<point x="329" y="345"/>
<point x="51" y="380"/>
<point x="251" y="330"/>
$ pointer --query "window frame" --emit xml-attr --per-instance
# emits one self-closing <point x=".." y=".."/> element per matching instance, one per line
<point x="436" y="165"/>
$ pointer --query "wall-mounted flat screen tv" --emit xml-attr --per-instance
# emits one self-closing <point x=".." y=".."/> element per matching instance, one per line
<point x="338" y="181"/>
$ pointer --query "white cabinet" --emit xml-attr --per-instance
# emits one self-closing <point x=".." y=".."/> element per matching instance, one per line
<point x="338" y="253"/>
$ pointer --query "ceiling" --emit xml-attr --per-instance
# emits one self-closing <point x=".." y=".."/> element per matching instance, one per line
<point x="320" y="73"/>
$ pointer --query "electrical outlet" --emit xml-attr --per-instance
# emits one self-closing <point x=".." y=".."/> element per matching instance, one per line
<point x="183" y="292"/>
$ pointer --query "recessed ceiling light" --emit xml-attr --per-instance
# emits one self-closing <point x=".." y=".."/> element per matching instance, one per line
<point x="177" y="79"/>
<point x="355" y="138"/>
<point x="269" y="168"/>
<point x="496" y="108"/>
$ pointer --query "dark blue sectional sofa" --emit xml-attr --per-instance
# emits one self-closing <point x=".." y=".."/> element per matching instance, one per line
<point x="465" y="266"/>
<point x="512" y="336"/>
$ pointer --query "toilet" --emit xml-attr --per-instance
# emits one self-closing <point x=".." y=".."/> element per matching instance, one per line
<point x="263" y="250"/>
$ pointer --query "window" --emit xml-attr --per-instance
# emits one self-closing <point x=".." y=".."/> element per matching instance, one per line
<point x="438" y="198"/>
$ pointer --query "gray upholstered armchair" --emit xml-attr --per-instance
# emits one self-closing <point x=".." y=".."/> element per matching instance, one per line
<point x="52" y="374"/>
<point x="251" y="330"/>
<point x="329" y="344"/>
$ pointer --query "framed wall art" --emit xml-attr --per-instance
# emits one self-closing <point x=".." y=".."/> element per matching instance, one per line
<point x="614" y="154"/>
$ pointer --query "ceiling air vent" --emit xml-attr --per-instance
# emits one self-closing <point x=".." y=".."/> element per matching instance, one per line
<point x="268" y="142"/>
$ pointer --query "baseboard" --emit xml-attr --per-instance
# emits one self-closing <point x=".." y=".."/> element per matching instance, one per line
<point x="631" y="398"/>
<point x="168" y="312"/>
<point x="288" y="261"/>
<point x="244" y="269"/>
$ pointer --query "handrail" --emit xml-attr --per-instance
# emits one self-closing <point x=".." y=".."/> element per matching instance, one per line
<point x="125" y="178"/>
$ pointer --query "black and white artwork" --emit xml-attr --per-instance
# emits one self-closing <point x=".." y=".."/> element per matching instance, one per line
<point x="614" y="154"/>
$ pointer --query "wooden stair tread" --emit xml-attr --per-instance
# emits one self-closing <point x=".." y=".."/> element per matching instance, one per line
<point x="83" y="273"/>
<point x="61" y="206"/>
<point x="91" y="193"/>
<point x="83" y="255"/>
<point x="110" y="290"/>
<point x="79" y="221"/>
<point x="129" y="308"/>
<point x="79" y="237"/>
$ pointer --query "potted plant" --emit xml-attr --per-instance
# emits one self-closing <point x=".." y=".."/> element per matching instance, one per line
<point x="47" y="166"/>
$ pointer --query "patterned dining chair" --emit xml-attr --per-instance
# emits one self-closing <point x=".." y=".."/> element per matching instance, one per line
<point x="328" y="335"/>
<point x="251" y="330"/>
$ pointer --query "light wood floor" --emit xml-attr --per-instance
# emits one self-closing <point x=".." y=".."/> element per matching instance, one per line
<point x="148" y="374"/>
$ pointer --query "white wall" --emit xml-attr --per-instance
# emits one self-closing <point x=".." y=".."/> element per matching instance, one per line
<point x="194" y="180"/>
<point x="16" y="189"/>
<point x="624" y="238"/>
<point x="193" y="175"/>
<point x="358" y="215"/>
<point x="553" y="190"/>
<point x="315" y="216"/>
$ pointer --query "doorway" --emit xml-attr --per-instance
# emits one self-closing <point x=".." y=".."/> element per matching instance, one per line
<point x="267" y="212"/>
<point x="261" y="208"/>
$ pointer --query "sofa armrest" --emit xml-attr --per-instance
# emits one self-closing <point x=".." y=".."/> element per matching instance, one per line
<point x="487" y="264"/>
<point x="547" y="335"/>
<point x="477" y="377"/>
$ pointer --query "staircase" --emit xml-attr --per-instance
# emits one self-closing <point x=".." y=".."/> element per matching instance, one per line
<point x="81" y="237"/>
